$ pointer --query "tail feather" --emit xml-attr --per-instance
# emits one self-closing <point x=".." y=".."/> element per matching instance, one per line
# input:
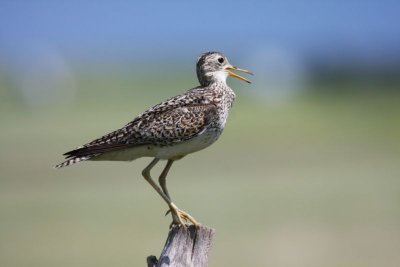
<point x="94" y="150"/>
<point x="88" y="152"/>
<point x="72" y="161"/>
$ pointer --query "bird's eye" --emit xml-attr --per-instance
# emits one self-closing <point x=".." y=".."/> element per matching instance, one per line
<point x="221" y="60"/>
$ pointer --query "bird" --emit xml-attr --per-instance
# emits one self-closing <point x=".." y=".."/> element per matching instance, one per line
<point x="172" y="129"/>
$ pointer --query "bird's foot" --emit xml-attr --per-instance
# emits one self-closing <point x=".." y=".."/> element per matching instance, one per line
<point x="180" y="216"/>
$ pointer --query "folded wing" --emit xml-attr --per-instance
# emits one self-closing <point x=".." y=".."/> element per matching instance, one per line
<point x="156" y="127"/>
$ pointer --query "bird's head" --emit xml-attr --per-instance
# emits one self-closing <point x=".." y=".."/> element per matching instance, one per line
<point x="215" y="67"/>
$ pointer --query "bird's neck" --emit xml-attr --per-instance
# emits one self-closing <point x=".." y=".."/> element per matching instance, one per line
<point x="220" y="88"/>
<point x="218" y="77"/>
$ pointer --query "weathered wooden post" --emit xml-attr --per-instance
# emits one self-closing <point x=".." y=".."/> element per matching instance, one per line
<point x="186" y="246"/>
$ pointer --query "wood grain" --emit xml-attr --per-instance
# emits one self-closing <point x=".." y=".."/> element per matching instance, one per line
<point x="186" y="246"/>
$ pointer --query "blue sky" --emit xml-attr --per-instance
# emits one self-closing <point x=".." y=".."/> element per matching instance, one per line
<point x="119" y="29"/>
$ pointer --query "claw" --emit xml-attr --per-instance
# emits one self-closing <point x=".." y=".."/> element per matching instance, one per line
<point x="179" y="216"/>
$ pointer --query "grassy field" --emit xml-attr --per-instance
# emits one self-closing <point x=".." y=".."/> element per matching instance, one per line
<point x="311" y="182"/>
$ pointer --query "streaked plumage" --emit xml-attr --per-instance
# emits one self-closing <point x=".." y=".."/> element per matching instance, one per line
<point x="174" y="128"/>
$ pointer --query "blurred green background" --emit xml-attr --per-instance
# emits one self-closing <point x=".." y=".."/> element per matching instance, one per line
<point x="307" y="172"/>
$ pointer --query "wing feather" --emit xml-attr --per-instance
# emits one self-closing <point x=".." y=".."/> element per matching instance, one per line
<point x="157" y="128"/>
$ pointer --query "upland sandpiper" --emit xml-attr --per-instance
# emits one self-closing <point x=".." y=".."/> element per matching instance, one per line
<point x="172" y="129"/>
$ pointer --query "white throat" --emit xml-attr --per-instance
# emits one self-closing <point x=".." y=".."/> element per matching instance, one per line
<point x="221" y="76"/>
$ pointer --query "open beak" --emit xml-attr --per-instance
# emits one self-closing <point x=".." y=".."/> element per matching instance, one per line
<point x="230" y="73"/>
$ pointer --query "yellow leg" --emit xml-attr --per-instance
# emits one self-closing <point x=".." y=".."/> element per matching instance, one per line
<point x="178" y="216"/>
<point x="162" y="179"/>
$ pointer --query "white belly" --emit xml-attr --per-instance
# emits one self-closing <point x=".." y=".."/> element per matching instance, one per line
<point x="181" y="149"/>
<point x="175" y="151"/>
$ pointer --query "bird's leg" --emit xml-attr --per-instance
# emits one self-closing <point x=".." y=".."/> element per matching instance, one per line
<point x="163" y="183"/>
<point x="162" y="179"/>
<point x="146" y="175"/>
<point x="178" y="216"/>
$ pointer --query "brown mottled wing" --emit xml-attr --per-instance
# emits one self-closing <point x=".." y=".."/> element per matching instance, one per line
<point x="157" y="126"/>
<point x="174" y="126"/>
